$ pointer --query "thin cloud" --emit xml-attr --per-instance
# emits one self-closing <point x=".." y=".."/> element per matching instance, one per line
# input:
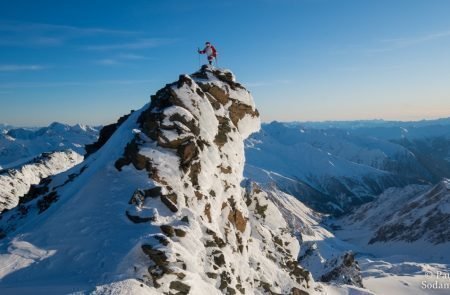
<point x="121" y="59"/>
<point x="130" y="56"/>
<point x="267" y="83"/>
<point x="138" y="44"/>
<point x="20" y="27"/>
<point x="108" y="62"/>
<point x="18" y="68"/>
<point x="41" y="34"/>
<point x="399" y="43"/>
<point x="404" y="42"/>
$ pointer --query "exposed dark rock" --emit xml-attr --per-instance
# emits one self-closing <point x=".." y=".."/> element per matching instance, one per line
<point x="192" y="125"/>
<point x="105" y="134"/>
<point x="238" y="111"/>
<point x="153" y="192"/>
<point x="219" y="258"/>
<point x="297" y="291"/>
<point x="208" y="211"/>
<point x="173" y="197"/>
<point x="132" y="156"/>
<point x="195" y="170"/>
<point x="180" y="233"/>
<point x="172" y="207"/>
<point x="218" y="93"/>
<point x="212" y="275"/>
<point x="172" y="144"/>
<point x="210" y="243"/>
<point x="237" y="219"/>
<point x="181" y="287"/>
<point x="157" y="256"/>
<point x="346" y="271"/>
<point x="168" y="230"/>
<point x="162" y="239"/>
<point x="138" y="219"/>
<point x="44" y="203"/>
<point x="137" y="198"/>
<point x="225" y="280"/>
<point x="222" y="134"/>
<point x="260" y="209"/>
<point x="184" y="79"/>
<point x="36" y="190"/>
<point x="226" y="170"/>
<point x="187" y="152"/>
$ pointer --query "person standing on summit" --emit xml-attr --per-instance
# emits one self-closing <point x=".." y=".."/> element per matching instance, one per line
<point x="210" y="52"/>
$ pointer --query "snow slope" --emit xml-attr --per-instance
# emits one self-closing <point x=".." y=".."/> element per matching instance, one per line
<point x="20" y="145"/>
<point x="159" y="208"/>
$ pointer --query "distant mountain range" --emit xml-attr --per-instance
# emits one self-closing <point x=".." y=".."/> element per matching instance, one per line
<point x="335" y="166"/>
<point x="20" y="145"/>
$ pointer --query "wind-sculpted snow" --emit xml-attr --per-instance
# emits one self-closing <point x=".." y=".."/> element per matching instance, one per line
<point x="159" y="207"/>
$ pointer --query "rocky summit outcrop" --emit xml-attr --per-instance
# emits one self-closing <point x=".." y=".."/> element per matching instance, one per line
<point x="213" y="237"/>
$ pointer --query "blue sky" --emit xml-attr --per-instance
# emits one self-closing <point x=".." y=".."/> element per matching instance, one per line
<point x="92" y="61"/>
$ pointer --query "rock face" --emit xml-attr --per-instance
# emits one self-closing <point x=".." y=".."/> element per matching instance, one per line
<point x="15" y="183"/>
<point x="160" y="202"/>
<point x="191" y="144"/>
<point x="343" y="270"/>
<point x="105" y="133"/>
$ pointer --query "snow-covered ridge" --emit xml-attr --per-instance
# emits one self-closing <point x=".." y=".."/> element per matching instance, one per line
<point x="163" y="195"/>
<point x="15" y="183"/>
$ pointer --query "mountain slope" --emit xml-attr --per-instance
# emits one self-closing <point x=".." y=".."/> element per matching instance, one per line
<point x="413" y="216"/>
<point x="159" y="208"/>
<point x="331" y="171"/>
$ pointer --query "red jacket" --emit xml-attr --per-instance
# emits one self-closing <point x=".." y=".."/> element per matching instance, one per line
<point x="209" y="51"/>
